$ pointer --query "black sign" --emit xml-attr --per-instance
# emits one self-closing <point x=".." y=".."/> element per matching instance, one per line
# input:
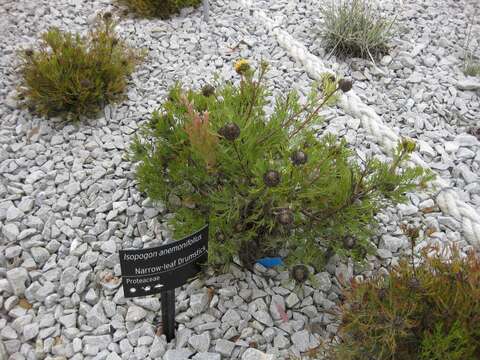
<point x="150" y="271"/>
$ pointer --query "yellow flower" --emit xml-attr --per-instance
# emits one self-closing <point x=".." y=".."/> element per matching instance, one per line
<point x="242" y="66"/>
<point x="408" y="144"/>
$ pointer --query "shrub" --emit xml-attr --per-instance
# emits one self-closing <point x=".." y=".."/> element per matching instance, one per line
<point x="429" y="312"/>
<point x="353" y="28"/>
<point x="158" y="8"/>
<point x="265" y="184"/>
<point x="71" y="75"/>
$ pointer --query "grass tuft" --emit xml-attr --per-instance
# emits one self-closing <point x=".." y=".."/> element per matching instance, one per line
<point x="471" y="64"/>
<point x="472" y="68"/>
<point x="354" y="28"/>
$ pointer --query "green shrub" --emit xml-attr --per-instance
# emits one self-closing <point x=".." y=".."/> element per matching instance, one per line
<point x="353" y="28"/>
<point x="71" y="75"/>
<point x="452" y="344"/>
<point x="427" y="312"/>
<point x="265" y="183"/>
<point x="158" y="8"/>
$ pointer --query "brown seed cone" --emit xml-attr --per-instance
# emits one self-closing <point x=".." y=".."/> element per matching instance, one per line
<point x="208" y="90"/>
<point x="285" y="217"/>
<point x="349" y="242"/>
<point x="299" y="158"/>
<point x="85" y="83"/>
<point x="300" y="273"/>
<point x="345" y="85"/>
<point x="230" y="131"/>
<point x="271" y="178"/>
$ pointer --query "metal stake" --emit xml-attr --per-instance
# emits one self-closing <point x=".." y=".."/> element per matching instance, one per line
<point x="168" y="313"/>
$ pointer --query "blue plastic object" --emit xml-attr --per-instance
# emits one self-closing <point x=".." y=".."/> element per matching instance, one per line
<point x="269" y="262"/>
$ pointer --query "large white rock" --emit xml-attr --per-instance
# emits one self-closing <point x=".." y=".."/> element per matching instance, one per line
<point x="254" y="354"/>
<point x="469" y="83"/>
<point x="201" y="343"/>
<point x="17" y="279"/>
<point x="135" y="313"/>
<point x="10" y="231"/>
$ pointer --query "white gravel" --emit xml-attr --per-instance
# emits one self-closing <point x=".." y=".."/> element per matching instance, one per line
<point x="69" y="202"/>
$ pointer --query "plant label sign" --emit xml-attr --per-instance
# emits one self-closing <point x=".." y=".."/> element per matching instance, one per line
<point x="154" y="270"/>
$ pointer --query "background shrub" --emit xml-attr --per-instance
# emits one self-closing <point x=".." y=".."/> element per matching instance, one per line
<point x="354" y="28"/>
<point x="427" y="312"/>
<point x="265" y="184"/>
<point x="71" y="75"/>
<point x="158" y="8"/>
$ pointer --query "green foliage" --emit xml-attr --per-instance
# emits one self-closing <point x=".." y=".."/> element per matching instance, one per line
<point x="353" y="28"/>
<point x="430" y="312"/>
<point x="71" y="75"/>
<point x="158" y="8"/>
<point x="264" y="183"/>
<point x="452" y="344"/>
<point x="471" y="66"/>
